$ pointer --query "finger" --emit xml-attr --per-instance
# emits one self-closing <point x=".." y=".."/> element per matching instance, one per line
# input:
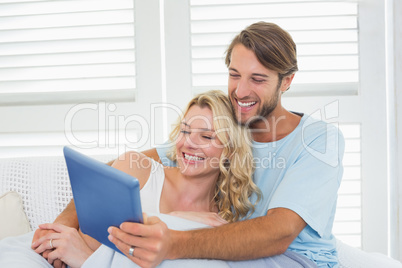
<point x="46" y="253"/>
<point x="46" y="244"/>
<point x="144" y="248"/>
<point x="58" y="264"/>
<point x="36" y="235"/>
<point x="125" y="248"/>
<point x="153" y="220"/>
<point x="127" y="238"/>
<point x="140" y="229"/>
<point x="144" y="217"/>
<point x="219" y="218"/>
<point x="45" y="239"/>
<point x="39" y="233"/>
<point x="53" y="256"/>
<point x="217" y="221"/>
<point x="42" y="249"/>
<point x="54" y="226"/>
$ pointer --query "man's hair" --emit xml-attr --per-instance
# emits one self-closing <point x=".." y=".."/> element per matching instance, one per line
<point x="273" y="46"/>
<point x="234" y="185"/>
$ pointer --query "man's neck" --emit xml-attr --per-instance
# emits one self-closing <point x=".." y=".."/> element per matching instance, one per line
<point x="278" y="125"/>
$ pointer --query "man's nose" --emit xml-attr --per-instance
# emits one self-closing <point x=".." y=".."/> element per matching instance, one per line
<point x="242" y="90"/>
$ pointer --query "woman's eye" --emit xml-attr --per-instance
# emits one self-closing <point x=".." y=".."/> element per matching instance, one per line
<point x="207" y="137"/>
<point x="184" y="131"/>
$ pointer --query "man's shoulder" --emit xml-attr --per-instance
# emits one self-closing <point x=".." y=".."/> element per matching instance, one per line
<point x="313" y="128"/>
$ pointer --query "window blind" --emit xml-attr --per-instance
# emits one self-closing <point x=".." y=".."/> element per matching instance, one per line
<point x="326" y="34"/>
<point x="62" y="51"/>
<point x="348" y="217"/>
<point x="96" y="142"/>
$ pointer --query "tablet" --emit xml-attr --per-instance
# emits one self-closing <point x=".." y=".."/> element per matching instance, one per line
<point x="103" y="196"/>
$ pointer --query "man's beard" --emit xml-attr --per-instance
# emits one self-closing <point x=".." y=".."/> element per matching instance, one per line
<point x="264" y="112"/>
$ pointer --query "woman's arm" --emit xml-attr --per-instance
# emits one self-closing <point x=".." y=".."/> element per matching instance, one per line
<point x="135" y="164"/>
<point x="152" y="153"/>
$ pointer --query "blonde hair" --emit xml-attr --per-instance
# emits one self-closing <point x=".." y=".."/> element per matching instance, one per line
<point x="234" y="185"/>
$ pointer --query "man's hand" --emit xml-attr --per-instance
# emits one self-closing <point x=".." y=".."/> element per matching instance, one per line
<point x="151" y="241"/>
<point x="66" y="244"/>
<point x="68" y="218"/>
<point x="40" y="233"/>
<point x="208" y="218"/>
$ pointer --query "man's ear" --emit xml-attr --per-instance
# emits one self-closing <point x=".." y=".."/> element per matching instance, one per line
<point x="286" y="81"/>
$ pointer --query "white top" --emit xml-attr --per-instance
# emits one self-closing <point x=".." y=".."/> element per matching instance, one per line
<point x="151" y="192"/>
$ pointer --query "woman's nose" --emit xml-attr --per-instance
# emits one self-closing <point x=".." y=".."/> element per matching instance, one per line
<point x="191" y="140"/>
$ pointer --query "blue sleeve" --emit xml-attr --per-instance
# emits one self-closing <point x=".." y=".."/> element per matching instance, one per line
<point x="163" y="151"/>
<point x="311" y="183"/>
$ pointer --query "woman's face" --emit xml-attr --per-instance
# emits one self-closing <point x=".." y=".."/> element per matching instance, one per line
<point x="197" y="146"/>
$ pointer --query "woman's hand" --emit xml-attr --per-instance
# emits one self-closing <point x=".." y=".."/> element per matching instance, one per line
<point x="67" y="245"/>
<point x="208" y="218"/>
<point x="39" y="233"/>
<point x="151" y="241"/>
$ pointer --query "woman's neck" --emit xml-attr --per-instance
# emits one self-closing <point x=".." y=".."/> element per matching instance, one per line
<point x="185" y="193"/>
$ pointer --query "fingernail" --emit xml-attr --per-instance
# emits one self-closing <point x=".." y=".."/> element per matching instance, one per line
<point x="109" y="230"/>
<point x="110" y="237"/>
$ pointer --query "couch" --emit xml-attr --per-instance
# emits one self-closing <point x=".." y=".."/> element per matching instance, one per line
<point x="35" y="190"/>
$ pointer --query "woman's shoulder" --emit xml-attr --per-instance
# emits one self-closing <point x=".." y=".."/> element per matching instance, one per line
<point x="135" y="164"/>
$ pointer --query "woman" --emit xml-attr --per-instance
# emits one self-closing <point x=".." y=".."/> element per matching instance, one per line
<point x="213" y="174"/>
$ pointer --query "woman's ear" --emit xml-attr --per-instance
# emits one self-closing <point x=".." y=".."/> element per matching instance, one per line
<point x="226" y="163"/>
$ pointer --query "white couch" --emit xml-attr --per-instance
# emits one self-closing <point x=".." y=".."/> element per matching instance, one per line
<point x="43" y="184"/>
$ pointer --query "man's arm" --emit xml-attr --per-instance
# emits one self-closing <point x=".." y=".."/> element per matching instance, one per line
<point x="69" y="216"/>
<point x="256" y="238"/>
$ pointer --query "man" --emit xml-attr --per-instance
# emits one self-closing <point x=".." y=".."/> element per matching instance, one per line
<point x="298" y="169"/>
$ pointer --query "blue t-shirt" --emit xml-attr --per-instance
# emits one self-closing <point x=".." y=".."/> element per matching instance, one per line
<point x="301" y="172"/>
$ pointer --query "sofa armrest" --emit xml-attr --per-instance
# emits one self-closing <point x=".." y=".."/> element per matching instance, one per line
<point x="43" y="184"/>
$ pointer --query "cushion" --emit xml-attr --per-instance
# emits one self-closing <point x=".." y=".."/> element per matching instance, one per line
<point x="13" y="220"/>
<point x="350" y="257"/>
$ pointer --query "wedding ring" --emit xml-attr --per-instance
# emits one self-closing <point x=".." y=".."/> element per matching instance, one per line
<point x="131" y="251"/>
<point x="51" y="245"/>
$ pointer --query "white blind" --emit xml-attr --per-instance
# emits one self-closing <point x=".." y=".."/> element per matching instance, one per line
<point x="348" y="217"/>
<point x="97" y="142"/>
<point x="51" y="50"/>
<point x="326" y="34"/>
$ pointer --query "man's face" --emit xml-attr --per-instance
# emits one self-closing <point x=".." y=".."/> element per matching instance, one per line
<point x="254" y="90"/>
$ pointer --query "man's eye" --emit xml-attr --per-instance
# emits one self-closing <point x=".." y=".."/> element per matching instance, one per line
<point x="258" y="80"/>
<point x="234" y="75"/>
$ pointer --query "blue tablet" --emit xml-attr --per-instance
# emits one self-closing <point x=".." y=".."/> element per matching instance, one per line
<point x="103" y="196"/>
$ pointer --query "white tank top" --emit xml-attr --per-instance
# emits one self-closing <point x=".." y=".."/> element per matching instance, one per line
<point x="151" y="192"/>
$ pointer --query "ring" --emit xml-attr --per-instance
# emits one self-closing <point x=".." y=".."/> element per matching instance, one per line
<point x="51" y="245"/>
<point x="131" y="251"/>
